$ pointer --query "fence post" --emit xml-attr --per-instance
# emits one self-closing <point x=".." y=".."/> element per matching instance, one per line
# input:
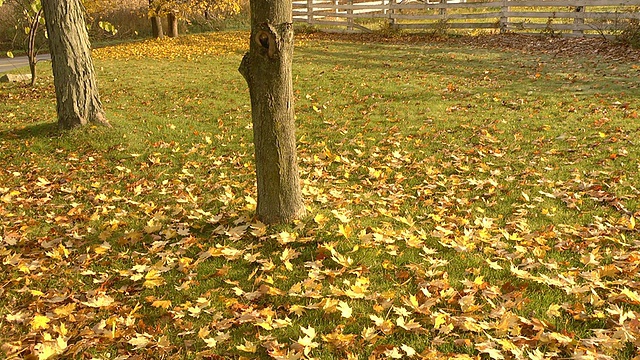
<point x="578" y="20"/>
<point x="504" y="19"/>
<point x="443" y="10"/>
<point x="309" y="12"/>
<point x="350" y="15"/>
<point x="392" y="14"/>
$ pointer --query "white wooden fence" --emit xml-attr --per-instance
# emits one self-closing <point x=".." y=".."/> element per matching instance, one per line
<point x="563" y="17"/>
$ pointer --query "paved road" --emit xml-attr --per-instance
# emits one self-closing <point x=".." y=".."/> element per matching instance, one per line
<point x="8" y="64"/>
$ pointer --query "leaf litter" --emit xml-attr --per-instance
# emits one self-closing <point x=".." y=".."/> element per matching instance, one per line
<point x="479" y="253"/>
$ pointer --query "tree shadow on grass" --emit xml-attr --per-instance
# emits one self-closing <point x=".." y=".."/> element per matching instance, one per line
<point x="40" y="130"/>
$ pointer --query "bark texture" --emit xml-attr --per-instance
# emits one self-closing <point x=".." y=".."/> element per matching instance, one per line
<point x="78" y="101"/>
<point x="156" y="22"/>
<point x="156" y="27"/>
<point x="267" y="70"/>
<point x="172" y="19"/>
<point x="32" y="52"/>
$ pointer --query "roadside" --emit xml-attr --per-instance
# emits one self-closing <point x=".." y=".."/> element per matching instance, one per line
<point x="9" y="64"/>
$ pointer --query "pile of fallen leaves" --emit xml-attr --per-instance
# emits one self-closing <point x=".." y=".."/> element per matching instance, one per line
<point x="184" y="47"/>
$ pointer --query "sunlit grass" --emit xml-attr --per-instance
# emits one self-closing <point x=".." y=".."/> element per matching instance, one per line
<point x="430" y="171"/>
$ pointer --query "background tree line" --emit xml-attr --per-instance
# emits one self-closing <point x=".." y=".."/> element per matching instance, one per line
<point x="109" y="20"/>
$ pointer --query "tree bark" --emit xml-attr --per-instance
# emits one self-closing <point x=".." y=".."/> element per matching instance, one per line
<point x="156" y="23"/>
<point x="267" y="70"/>
<point x="32" y="52"/>
<point x="172" y="19"/>
<point x="78" y="100"/>
<point x="156" y="27"/>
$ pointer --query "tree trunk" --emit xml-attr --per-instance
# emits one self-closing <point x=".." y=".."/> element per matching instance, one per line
<point x="32" y="52"/>
<point x="78" y="101"/>
<point x="267" y="70"/>
<point x="156" y="23"/>
<point x="156" y="27"/>
<point x="172" y="19"/>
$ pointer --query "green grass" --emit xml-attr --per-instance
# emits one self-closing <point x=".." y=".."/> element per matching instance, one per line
<point x="438" y="159"/>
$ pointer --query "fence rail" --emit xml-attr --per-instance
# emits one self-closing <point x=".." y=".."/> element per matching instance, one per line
<point x="565" y="17"/>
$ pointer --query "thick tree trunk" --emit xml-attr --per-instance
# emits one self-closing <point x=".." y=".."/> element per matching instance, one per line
<point x="267" y="69"/>
<point x="78" y="101"/>
<point x="156" y="23"/>
<point x="172" y="19"/>
<point x="156" y="27"/>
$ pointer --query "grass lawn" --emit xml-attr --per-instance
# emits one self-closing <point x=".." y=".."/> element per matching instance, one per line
<point x="464" y="202"/>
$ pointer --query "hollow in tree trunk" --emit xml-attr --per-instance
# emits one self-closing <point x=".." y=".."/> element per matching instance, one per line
<point x="267" y="70"/>
<point x="78" y="101"/>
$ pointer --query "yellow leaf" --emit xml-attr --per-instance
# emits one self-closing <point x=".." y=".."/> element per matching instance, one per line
<point x="165" y="304"/>
<point x="410" y="325"/>
<point x="340" y="216"/>
<point x="203" y="332"/>
<point x="247" y="347"/>
<point x="265" y="325"/>
<point x="376" y="319"/>
<point x="409" y="350"/>
<point x="58" y="253"/>
<point x="393" y="353"/>
<point x="439" y="320"/>
<point x="65" y="310"/>
<point x="494" y="264"/>
<point x="632" y="295"/>
<point x="488" y="348"/>
<point x="286" y="237"/>
<point x="153" y="279"/>
<point x="40" y="322"/>
<point x="320" y="219"/>
<point x="413" y="300"/>
<point x="553" y="310"/>
<point x="102" y="248"/>
<point x="140" y="340"/>
<point x="211" y="342"/>
<point x="345" y="231"/>
<point x="562" y="339"/>
<point x="296" y="309"/>
<point x="308" y="331"/>
<point x="99" y="301"/>
<point x="345" y="310"/>
<point x="307" y="342"/>
<point x="50" y="347"/>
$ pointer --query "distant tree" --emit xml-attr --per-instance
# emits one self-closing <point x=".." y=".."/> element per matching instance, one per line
<point x="32" y="51"/>
<point x="78" y="100"/>
<point x="156" y="19"/>
<point x="28" y="16"/>
<point x="176" y="10"/>
<point x="172" y="21"/>
<point x="267" y="70"/>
